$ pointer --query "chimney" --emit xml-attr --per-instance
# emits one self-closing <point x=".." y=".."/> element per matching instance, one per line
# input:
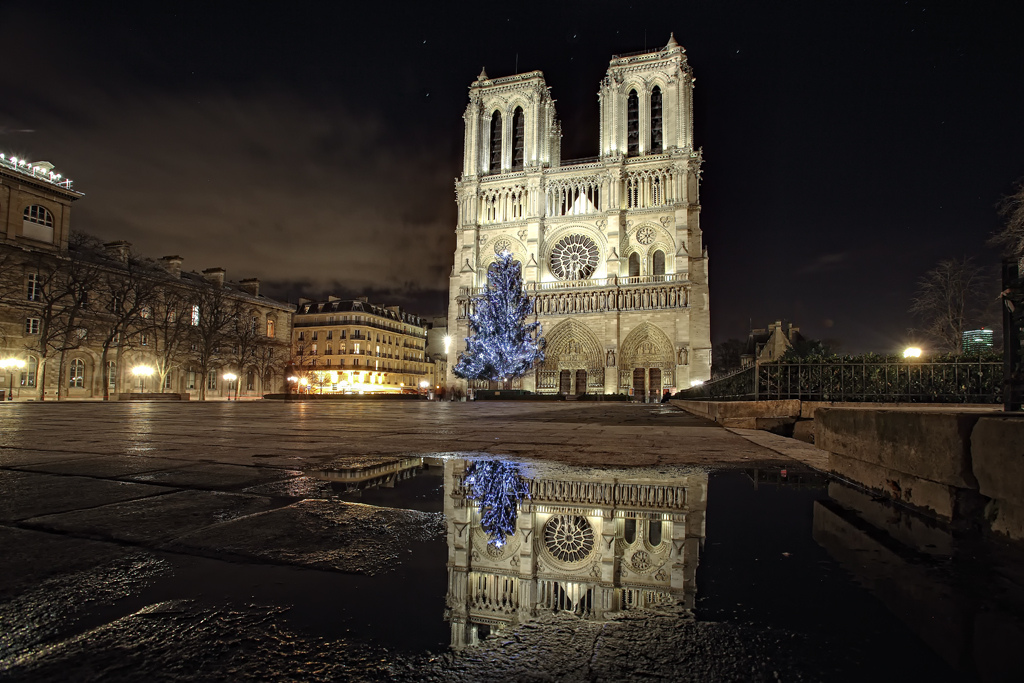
<point x="172" y="264"/>
<point x="118" y="250"/>
<point x="364" y="299"/>
<point x="250" y="286"/>
<point x="215" y="276"/>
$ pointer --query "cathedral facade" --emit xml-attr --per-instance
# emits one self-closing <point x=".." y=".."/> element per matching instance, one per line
<point x="611" y="246"/>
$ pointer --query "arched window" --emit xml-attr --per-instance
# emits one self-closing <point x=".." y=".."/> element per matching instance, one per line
<point x="112" y="374"/>
<point x="518" y="138"/>
<point x="658" y="263"/>
<point x="495" y="165"/>
<point x="657" y="145"/>
<point x="632" y="124"/>
<point x="629" y="530"/>
<point x="37" y="223"/>
<point x="76" y="374"/>
<point x="654" y="533"/>
<point x="271" y="327"/>
<point x="634" y="264"/>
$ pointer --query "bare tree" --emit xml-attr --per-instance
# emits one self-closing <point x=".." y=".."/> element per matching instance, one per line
<point x="951" y="298"/>
<point x="170" y="328"/>
<point x="1011" y="238"/>
<point x="244" y="338"/>
<point x="211" y="320"/>
<point x="269" y="359"/>
<point x="130" y="295"/>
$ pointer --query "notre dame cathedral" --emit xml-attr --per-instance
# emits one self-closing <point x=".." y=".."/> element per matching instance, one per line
<point x="610" y="245"/>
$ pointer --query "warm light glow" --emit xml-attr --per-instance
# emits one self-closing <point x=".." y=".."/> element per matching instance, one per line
<point x="142" y="371"/>
<point x="447" y="342"/>
<point x="424" y="384"/>
<point x="230" y="376"/>
<point x="912" y="352"/>
<point x="696" y="382"/>
<point x="9" y="363"/>
<point x="303" y="381"/>
<point x="293" y="378"/>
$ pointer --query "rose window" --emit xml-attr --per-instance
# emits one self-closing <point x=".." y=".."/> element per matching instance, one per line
<point x="645" y="235"/>
<point x="641" y="560"/>
<point x="574" y="258"/>
<point x="502" y="244"/>
<point x="569" y="538"/>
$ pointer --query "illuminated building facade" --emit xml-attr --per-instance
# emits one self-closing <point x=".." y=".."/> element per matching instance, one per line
<point x="353" y="346"/>
<point x="611" y="246"/>
<point x="585" y="541"/>
<point x="77" y="316"/>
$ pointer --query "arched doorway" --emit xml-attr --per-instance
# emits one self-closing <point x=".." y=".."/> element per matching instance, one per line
<point x="647" y="363"/>
<point x="574" y="361"/>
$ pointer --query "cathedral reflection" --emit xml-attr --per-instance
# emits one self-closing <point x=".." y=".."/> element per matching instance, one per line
<point x="584" y="541"/>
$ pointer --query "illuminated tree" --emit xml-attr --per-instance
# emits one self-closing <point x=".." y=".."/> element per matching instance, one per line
<point x="498" y="487"/>
<point x="503" y="345"/>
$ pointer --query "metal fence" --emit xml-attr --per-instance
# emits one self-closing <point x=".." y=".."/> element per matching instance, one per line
<point x="882" y="382"/>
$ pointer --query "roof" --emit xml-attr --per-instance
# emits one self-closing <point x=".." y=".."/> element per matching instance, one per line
<point x="357" y="306"/>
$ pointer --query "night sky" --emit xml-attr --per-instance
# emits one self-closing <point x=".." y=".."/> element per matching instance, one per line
<point x="849" y="146"/>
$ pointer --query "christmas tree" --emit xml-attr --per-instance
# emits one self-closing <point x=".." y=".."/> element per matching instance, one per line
<point x="503" y="345"/>
<point x="498" y="487"/>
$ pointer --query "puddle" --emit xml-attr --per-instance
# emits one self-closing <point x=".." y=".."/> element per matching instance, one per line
<point x="799" y="574"/>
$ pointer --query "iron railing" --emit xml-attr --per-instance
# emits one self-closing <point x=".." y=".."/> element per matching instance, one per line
<point x="859" y="381"/>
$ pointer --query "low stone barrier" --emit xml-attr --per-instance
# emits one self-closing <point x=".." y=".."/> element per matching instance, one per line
<point x="959" y="466"/>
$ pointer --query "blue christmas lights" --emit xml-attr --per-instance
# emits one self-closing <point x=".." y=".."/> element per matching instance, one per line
<point x="503" y="345"/>
<point x="498" y="487"/>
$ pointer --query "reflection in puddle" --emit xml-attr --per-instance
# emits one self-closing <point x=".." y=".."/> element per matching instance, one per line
<point x="589" y="542"/>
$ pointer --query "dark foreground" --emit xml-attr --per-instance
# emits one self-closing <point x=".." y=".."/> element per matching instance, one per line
<point x="243" y="541"/>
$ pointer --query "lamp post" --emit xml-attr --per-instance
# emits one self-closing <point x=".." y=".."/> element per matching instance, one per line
<point x="230" y="378"/>
<point x="912" y="352"/>
<point x="9" y="364"/>
<point x="142" y="372"/>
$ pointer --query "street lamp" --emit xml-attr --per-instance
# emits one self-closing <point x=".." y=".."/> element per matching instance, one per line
<point x="230" y="377"/>
<point x="912" y="352"/>
<point x="9" y="364"/>
<point x="142" y="372"/>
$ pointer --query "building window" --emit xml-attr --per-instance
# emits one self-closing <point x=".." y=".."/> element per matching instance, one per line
<point x="658" y="263"/>
<point x="314" y="335"/>
<point x="634" y="265"/>
<point x="254" y="324"/>
<point x="211" y="380"/>
<point x="31" y="325"/>
<point x="632" y="124"/>
<point x="111" y="374"/>
<point x="37" y="224"/>
<point x="657" y="144"/>
<point x="32" y="290"/>
<point x="76" y="374"/>
<point x="330" y="334"/>
<point x="28" y="375"/>
<point x="302" y="336"/>
<point x="328" y="363"/>
<point x="167" y="381"/>
<point x="495" y="159"/>
<point x="313" y="348"/>
<point x="271" y="327"/>
<point x="518" y="136"/>
<point x="195" y="315"/>
<point x="190" y="379"/>
<point x="250" y="380"/>
<point x="355" y="348"/>
<point x="328" y="351"/>
<point x="144" y="340"/>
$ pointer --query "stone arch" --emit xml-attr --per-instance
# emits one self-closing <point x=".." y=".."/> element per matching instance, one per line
<point x="572" y="346"/>
<point x="647" y="347"/>
<point x="489" y="255"/>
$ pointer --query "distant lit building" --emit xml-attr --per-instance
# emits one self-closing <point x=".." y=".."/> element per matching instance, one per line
<point x="771" y="343"/>
<point x="353" y="346"/>
<point x="978" y="341"/>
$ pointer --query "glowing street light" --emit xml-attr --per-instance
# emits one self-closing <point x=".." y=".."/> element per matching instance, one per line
<point x="230" y="377"/>
<point x="9" y="364"/>
<point x="912" y="352"/>
<point x="142" y="372"/>
<point x="696" y="382"/>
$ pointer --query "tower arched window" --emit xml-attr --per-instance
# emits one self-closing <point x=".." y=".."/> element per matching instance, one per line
<point x="634" y="264"/>
<point x="518" y="139"/>
<point x="657" y="136"/>
<point x="37" y="223"/>
<point x="658" y="263"/>
<point x="495" y="158"/>
<point x="632" y="124"/>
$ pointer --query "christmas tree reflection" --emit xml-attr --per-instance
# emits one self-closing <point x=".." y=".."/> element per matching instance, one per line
<point x="498" y="487"/>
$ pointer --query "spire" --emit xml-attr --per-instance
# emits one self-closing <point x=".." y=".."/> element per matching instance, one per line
<point x="483" y="74"/>
<point x="671" y="41"/>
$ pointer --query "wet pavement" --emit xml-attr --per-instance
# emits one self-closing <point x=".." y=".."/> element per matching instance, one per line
<point x="344" y="542"/>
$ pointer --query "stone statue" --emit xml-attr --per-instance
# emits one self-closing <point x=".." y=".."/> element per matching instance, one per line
<point x="610" y="359"/>
<point x="684" y="355"/>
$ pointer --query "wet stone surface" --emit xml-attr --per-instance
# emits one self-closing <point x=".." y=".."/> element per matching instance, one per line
<point x="292" y="542"/>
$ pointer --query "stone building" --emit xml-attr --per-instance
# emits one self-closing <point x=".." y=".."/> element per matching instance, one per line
<point x="65" y="323"/>
<point x="611" y="246"/>
<point x="770" y="343"/>
<point x="353" y="346"/>
<point x="586" y="541"/>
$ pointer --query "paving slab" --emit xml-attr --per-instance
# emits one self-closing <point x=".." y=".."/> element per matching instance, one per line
<point x="215" y="476"/>
<point x="106" y="466"/>
<point x="30" y="494"/>
<point x="155" y="520"/>
<point x="325" y="534"/>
